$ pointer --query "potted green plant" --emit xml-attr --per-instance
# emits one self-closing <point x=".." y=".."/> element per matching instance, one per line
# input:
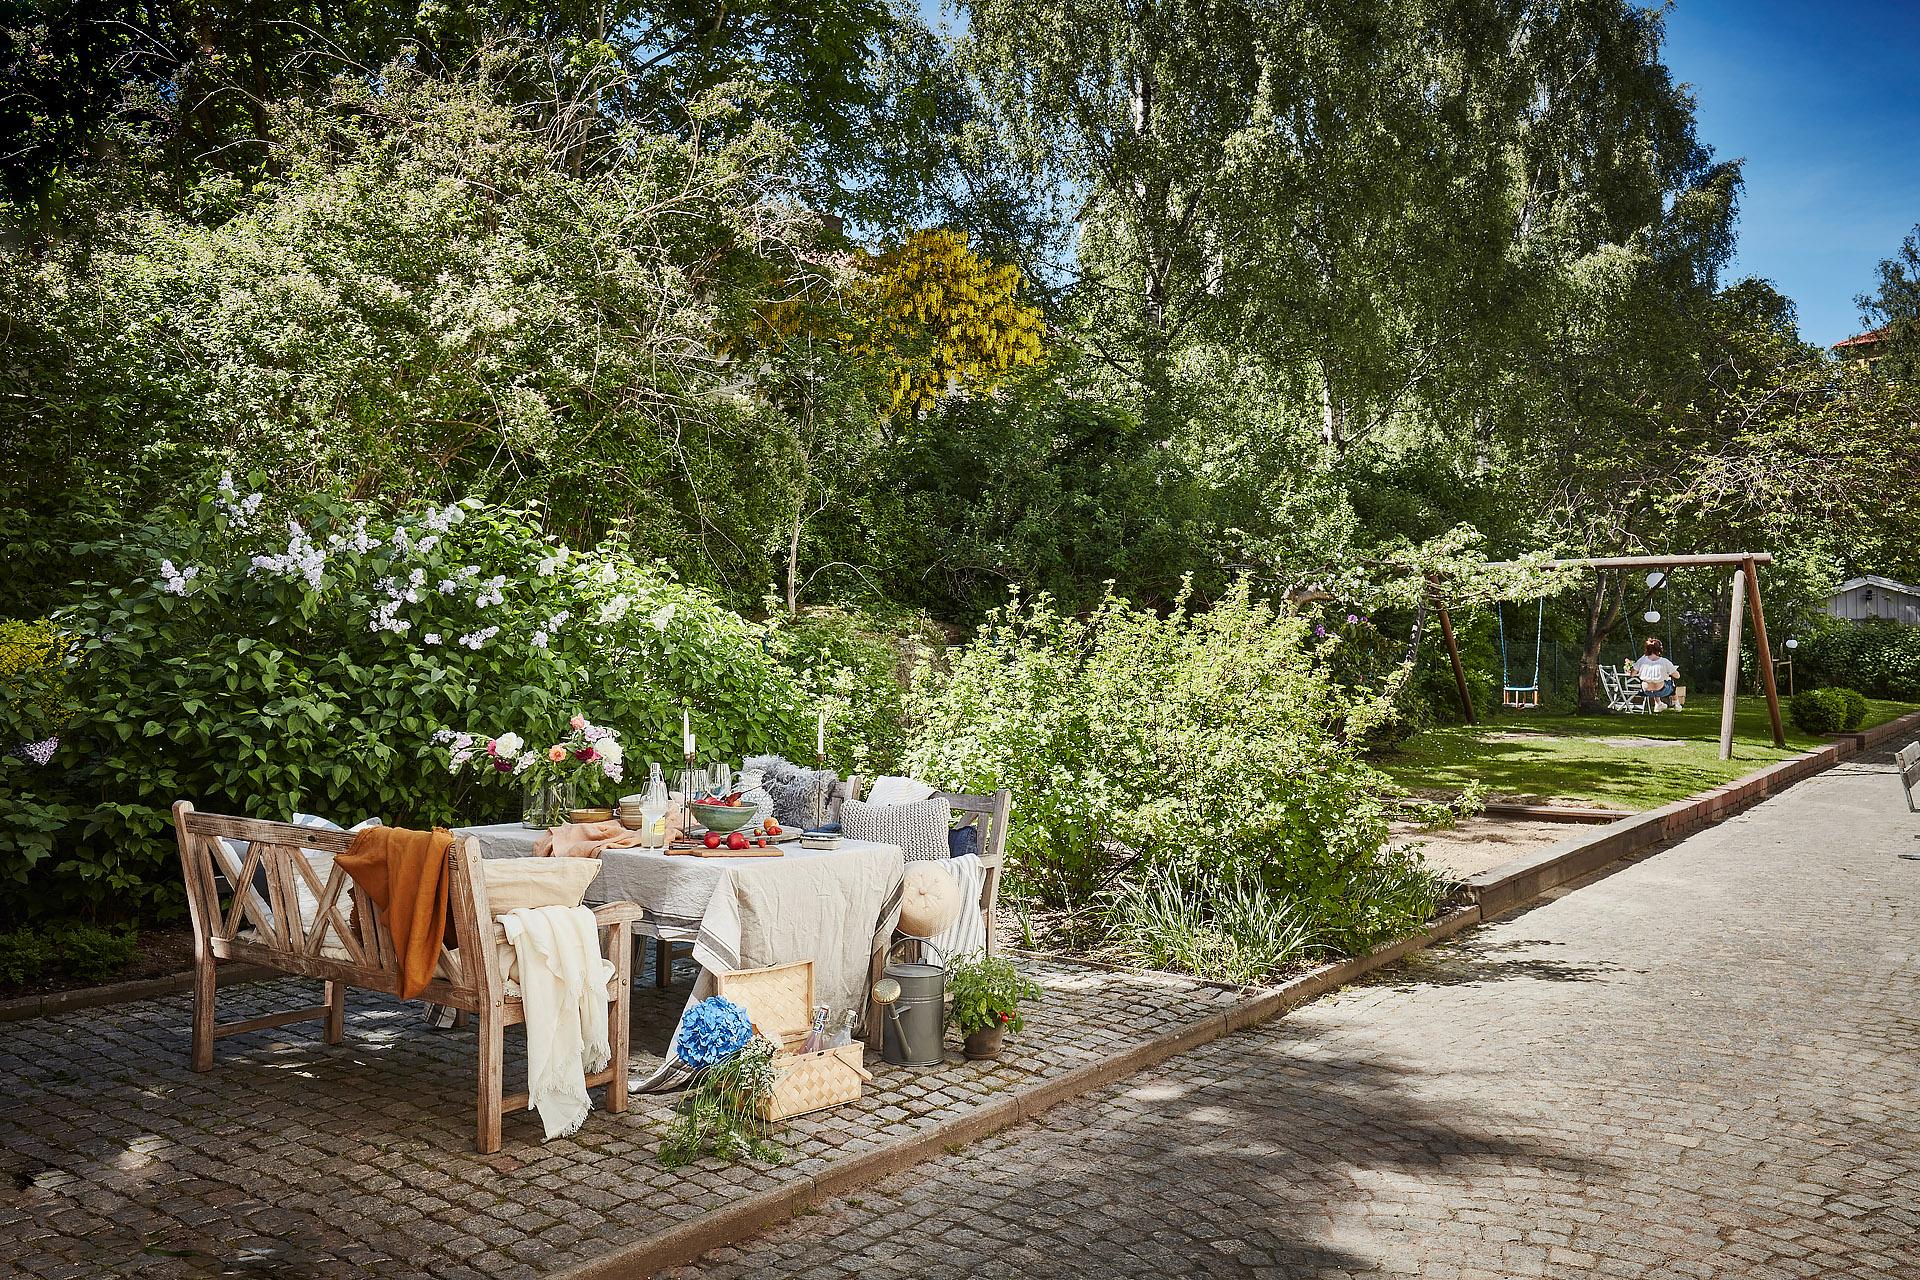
<point x="986" y="992"/>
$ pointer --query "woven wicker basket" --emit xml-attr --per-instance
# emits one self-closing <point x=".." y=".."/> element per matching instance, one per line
<point x="780" y="1002"/>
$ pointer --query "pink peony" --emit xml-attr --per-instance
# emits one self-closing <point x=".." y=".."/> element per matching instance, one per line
<point x="578" y="722"/>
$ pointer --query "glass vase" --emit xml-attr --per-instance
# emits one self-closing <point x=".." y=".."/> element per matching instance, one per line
<point x="546" y="804"/>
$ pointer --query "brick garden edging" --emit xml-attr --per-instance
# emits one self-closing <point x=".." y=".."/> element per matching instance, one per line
<point x="1516" y="883"/>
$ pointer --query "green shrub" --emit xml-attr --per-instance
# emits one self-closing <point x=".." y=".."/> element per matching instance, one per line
<point x="1134" y="742"/>
<point x="1855" y="704"/>
<point x="1878" y="656"/>
<point x="309" y="667"/>
<point x="90" y="952"/>
<point x="1819" y="711"/>
<point x="857" y="670"/>
<point x="24" y="955"/>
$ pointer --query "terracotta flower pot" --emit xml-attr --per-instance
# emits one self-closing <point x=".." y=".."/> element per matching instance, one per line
<point x="985" y="1043"/>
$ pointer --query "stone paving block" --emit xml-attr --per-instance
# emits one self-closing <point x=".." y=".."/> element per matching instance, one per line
<point x="339" y="1161"/>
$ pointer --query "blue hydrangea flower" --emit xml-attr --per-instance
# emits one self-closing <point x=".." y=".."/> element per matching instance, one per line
<point x="713" y="1031"/>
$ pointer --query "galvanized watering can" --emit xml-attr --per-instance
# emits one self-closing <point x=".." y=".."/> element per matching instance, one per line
<point x="913" y="1000"/>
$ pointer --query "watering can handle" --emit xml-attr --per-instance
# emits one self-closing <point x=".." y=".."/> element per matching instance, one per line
<point x="926" y="944"/>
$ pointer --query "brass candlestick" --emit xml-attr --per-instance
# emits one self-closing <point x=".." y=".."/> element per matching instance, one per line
<point x="819" y="814"/>
<point x="686" y="795"/>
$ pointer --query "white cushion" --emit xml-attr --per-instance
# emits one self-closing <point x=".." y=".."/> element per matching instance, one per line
<point x="889" y="789"/>
<point x="919" y="829"/>
<point x="322" y="863"/>
<point x="513" y="883"/>
<point x="930" y="900"/>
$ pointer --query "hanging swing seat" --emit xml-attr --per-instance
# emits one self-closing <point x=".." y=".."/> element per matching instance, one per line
<point x="1521" y="697"/>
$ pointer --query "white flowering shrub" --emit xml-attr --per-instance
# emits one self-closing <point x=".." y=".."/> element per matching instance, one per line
<point x="307" y="662"/>
<point x="1208" y="745"/>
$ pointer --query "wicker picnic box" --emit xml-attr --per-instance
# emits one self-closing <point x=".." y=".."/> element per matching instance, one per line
<point x="780" y="1002"/>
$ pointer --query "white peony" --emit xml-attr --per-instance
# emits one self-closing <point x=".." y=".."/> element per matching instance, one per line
<point x="508" y="744"/>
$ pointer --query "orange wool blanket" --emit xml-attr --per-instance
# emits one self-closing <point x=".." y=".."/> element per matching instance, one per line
<point x="405" y="874"/>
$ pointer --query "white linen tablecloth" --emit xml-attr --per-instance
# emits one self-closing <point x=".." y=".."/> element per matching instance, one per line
<point x="743" y="913"/>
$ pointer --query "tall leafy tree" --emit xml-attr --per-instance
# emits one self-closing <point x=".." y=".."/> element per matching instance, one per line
<point x="1894" y="306"/>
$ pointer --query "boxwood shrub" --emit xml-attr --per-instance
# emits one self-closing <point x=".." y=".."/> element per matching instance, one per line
<point x="1819" y="711"/>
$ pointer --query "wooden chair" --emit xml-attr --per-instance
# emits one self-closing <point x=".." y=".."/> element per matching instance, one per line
<point x="345" y="948"/>
<point x="988" y="815"/>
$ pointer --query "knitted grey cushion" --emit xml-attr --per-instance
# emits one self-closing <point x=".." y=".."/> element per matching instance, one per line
<point x="919" y="829"/>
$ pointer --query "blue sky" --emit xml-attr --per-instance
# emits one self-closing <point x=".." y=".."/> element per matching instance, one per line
<point x="1823" y="103"/>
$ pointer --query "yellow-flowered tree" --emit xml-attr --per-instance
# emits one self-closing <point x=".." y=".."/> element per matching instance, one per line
<point x="873" y="341"/>
<point x="941" y="318"/>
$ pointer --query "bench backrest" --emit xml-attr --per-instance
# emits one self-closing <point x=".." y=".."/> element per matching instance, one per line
<point x="338" y="939"/>
<point x="1907" y="760"/>
<point x="986" y="814"/>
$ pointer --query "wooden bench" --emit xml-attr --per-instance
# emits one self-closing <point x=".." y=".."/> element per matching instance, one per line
<point x="345" y="948"/>
<point x="1907" y="761"/>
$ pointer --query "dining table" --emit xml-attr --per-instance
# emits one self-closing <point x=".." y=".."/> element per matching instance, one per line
<point x="835" y="907"/>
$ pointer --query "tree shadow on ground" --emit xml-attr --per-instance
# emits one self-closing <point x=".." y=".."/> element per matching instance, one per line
<point x="1476" y="962"/>
<point x="1237" y="1159"/>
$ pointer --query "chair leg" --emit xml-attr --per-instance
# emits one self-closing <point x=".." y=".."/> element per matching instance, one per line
<point x="336" y="1012"/>
<point x="662" y="963"/>
<point x="876" y="1028"/>
<point x="203" y="992"/>
<point x="492" y="1073"/>
<point x="619" y="1024"/>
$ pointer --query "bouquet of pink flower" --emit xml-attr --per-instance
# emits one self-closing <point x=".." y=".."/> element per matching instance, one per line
<point x="587" y="749"/>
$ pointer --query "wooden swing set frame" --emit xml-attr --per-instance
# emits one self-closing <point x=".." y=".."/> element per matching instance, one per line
<point x="1746" y="592"/>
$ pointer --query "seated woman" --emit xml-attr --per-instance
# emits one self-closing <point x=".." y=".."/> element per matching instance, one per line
<point x="1657" y="676"/>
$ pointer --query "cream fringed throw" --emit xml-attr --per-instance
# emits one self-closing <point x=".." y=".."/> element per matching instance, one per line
<point x="563" y="987"/>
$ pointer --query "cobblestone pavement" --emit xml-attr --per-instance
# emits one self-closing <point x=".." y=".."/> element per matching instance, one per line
<point x="1704" y="1065"/>
<point x="295" y="1158"/>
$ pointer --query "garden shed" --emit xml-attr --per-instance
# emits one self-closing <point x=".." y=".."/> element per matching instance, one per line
<point x="1872" y="596"/>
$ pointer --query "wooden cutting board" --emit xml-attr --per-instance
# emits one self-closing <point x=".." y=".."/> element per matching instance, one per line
<point x="697" y="849"/>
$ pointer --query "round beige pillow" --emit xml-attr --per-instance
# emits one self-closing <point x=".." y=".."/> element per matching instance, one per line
<point x="930" y="900"/>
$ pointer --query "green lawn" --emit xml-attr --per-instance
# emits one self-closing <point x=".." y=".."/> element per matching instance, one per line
<point x="1569" y="757"/>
